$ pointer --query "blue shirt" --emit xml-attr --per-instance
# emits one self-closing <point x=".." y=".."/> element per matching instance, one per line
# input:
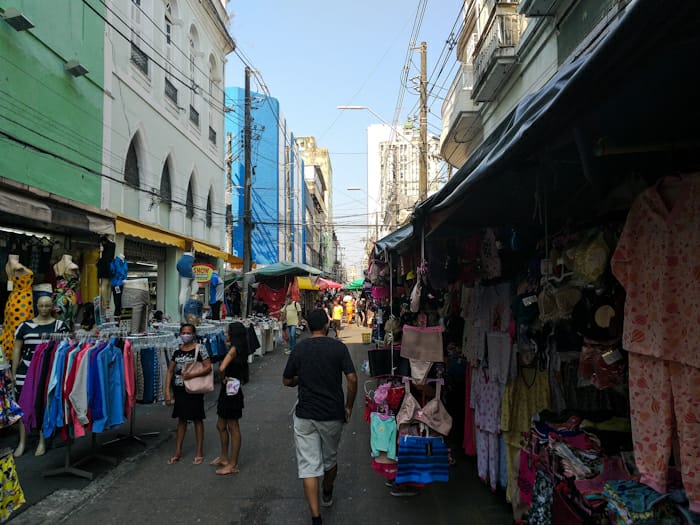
<point x="184" y="266"/>
<point x="53" y="413"/>
<point x="119" y="270"/>
<point x="216" y="288"/>
<point x="112" y="363"/>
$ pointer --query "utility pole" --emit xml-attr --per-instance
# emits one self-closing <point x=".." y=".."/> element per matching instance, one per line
<point x="423" y="161"/>
<point x="229" y="194"/>
<point x="247" y="206"/>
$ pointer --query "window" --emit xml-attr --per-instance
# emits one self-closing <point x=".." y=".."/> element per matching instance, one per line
<point x="189" y="203"/>
<point x="194" y="116"/>
<point x="212" y="135"/>
<point x="165" y="188"/>
<point x="139" y="58"/>
<point x="170" y="91"/>
<point x="168" y="23"/>
<point x="131" y="167"/>
<point x="208" y="217"/>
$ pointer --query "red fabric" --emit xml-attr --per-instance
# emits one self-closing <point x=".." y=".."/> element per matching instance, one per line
<point x="129" y="379"/>
<point x="274" y="299"/>
<point x="388" y="470"/>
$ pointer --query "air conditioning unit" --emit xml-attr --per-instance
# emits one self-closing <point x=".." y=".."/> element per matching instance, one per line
<point x="533" y="8"/>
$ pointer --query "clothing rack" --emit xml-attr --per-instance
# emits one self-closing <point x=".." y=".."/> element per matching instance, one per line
<point x="73" y="469"/>
<point x="139" y="342"/>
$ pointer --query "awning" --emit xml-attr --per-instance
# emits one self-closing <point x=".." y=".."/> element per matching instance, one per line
<point x="580" y="88"/>
<point x="47" y="213"/>
<point x="325" y="284"/>
<point x="395" y="239"/>
<point x="214" y="251"/>
<point x="305" y="283"/>
<point x="286" y="268"/>
<point x="150" y="232"/>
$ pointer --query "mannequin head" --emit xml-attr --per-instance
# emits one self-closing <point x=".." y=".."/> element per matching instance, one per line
<point x="44" y="307"/>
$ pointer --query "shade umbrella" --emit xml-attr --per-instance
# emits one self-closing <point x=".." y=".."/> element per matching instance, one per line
<point x="355" y="285"/>
<point x="326" y="284"/>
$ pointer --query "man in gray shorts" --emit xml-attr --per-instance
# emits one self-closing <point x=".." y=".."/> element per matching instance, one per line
<point x="317" y="365"/>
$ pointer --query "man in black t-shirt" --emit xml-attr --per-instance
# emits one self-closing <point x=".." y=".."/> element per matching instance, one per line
<point x="317" y="366"/>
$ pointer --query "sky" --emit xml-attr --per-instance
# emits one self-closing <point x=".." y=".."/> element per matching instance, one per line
<point x="315" y="55"/>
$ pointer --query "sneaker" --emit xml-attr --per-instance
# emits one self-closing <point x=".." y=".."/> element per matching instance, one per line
<point x="400" y="491"/>
<point x="287" y="351"/>
<point x="389" y="483"/>
<point x="316" y="521"/>
<point x="326" y="498"/>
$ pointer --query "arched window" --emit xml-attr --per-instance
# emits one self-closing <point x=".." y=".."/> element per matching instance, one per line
<point x="131" y="167"/>
<point x="208" y="218"/>
<point x="165" y="187"/>
<point x="189" y="204"/>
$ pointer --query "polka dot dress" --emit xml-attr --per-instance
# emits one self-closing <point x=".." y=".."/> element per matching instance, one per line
<point x="18" y="308"/>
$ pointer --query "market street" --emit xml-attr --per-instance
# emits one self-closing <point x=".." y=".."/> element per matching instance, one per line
<point x="143" y="488"/>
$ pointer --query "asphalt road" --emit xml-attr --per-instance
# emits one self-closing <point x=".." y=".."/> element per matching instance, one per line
<point x="142" y="488"/>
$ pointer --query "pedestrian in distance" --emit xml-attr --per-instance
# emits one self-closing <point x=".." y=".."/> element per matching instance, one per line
<point x="317" y="367"/>
<point x="229" y="409"/>
<point x="336" y="317"/>
<point x="187" y="407"/>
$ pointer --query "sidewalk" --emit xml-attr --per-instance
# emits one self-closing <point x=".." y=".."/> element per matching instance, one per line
<point x="266" y="491"/>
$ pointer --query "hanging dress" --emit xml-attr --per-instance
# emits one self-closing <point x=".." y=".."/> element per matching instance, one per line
<point x="11" y="495"/>
<point x="18" y="308"/>
<point x="67" y="298"/>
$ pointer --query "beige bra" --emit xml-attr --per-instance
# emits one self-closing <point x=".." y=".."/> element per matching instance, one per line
<point x="433" y="415"/>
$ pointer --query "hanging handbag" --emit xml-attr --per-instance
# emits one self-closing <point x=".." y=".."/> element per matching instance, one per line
<point x="233" y="385"/>
<point x="200" y="384"/>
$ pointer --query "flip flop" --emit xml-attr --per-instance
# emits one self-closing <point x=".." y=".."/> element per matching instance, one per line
<point x="226" y="471"/>
<point x="198" y="460"/>
<point x="174" y="459"/>
<point x="218" y="462"/>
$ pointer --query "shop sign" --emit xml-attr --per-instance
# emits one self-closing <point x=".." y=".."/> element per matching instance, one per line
<point x="202" y="272"/>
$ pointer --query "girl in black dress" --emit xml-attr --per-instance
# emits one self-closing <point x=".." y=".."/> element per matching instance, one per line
<point x="187" y="407"/>
<point x="230" y="406"/>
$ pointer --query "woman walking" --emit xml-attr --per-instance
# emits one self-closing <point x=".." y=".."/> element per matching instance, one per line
<point x="234" y="372"/>
<point x="187" y="407"/>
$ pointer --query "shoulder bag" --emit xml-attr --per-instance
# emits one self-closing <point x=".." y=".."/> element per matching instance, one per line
<point x="201" y="384"/>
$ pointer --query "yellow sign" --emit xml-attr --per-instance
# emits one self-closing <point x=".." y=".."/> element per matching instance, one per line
<point x="202" y="272"/>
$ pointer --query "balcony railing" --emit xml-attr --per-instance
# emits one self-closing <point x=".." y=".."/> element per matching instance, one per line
<point x="503" y="33"/>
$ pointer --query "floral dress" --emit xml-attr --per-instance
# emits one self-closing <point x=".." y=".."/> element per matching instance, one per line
<point x="66" y="299"/>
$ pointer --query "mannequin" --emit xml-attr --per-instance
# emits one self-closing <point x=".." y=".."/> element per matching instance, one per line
<point x="119" y="271"/>
<point x="193" y="308"/>
<point x="29" y="335"/>
<point x="104" y="275"/>
<point x="136" y="295"/>
<point x="65" y="266"/>
<point x="188" y="285"/>
<point x="20" y="305"/>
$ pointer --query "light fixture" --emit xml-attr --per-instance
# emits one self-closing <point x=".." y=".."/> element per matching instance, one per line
<point x="16" y="20"/>
<point x="75" y="68"/>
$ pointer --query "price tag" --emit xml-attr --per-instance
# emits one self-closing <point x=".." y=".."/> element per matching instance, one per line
<point x="10" y="284"/>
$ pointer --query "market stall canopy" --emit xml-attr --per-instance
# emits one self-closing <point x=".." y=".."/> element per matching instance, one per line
<point x="325" y="284"/>
<point x="307" y="283"/>
<point x="395" y="240"/>
<point x="286" y="268"/>
<point x="355" y="285"/>
<point x="644" y="59"/>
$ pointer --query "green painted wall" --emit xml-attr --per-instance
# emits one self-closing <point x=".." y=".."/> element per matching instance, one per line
<point x="44" y="106"/>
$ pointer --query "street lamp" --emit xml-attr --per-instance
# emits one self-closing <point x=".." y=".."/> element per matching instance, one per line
<point x="378" y="116"/>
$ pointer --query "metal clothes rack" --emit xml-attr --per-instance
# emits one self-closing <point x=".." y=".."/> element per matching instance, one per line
<point x="138" y="342"/>
<point x="68" y="467"/>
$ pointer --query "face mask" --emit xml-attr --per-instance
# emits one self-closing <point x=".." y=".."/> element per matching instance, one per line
<point x="186" y="338"/>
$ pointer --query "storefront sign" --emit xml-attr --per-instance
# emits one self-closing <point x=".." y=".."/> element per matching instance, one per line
<point x="202" y="272"/>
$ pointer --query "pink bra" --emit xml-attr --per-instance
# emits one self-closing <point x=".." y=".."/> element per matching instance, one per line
<point x="434" y="414"/>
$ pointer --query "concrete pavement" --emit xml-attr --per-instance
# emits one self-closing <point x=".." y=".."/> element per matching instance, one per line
<point x="143" y="488"/>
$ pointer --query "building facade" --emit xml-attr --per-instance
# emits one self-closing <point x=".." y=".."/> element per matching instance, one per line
<point x="393" y="166"/>
<point x="506" y="51"/>
<point x="321" y="246"/>
<point x="277" y="180"/>
<point x="163" y="150"/>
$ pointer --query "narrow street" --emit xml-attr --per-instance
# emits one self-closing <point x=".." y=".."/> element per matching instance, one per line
<point x="143" y="488"/>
